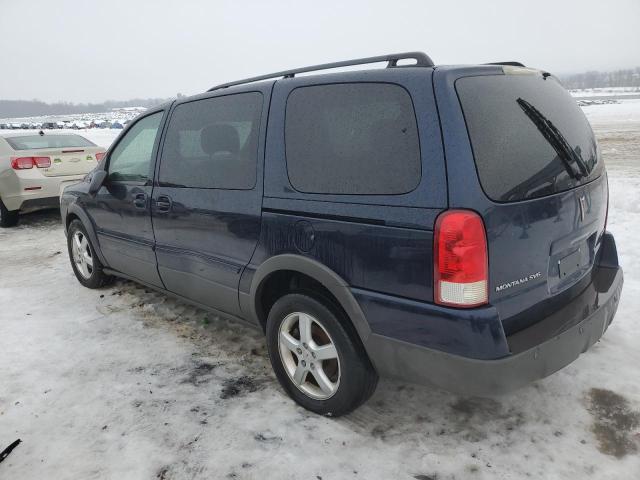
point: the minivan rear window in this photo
(33, 142)
(529, 137)
(352, 139)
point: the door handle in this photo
(163, 204)
(140, 200)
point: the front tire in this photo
(7, 218)
(317, 357)
(84, 261)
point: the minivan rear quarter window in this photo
(529, 137)
(352, 138)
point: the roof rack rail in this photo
(511, 64)
(422, 60)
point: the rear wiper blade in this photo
(556, 139)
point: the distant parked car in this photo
(117, 124)
(34, 169)
(49, 125)
(3, 126)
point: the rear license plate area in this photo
(570, 264)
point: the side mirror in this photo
(97, 180)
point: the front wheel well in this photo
(70, 218)
(283, 282)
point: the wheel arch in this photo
(330, 281)
(74, 212)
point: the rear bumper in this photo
(542, 349)
(46, 194)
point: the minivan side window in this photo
(353, 139)
(213, 143)
(131, 158)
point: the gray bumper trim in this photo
(405, 361)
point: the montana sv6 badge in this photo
(520, 281)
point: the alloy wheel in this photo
(82, 255)
(309, 355)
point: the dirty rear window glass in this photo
(529, 137)
(36, 142)
(352, 139)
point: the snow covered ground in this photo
(125, 383)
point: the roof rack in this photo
(511, 64)
(422, 60)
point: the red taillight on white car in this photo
(461, 266)
(42, 162)
(99, 156)
(25, 163)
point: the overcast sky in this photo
(85, 51)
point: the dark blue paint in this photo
(474, 333)
(523, 237)
(208, 235)
(120, 212)
(208, 244)
(204, 241)
(375, 257)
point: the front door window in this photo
(131, 158)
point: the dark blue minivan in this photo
(436, 224)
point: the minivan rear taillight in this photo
(99, 156)
(25, 163)
(461, 271)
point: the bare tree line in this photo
(595, 79)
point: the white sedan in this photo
(34, 168)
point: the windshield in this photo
(529, 137)
(37, 142)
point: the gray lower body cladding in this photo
(409, 362)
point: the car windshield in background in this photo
(36, 142)
(538, 141)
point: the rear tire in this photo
(7, 218)
(317, 357)
(84, 261)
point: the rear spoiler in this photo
(510, 64)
